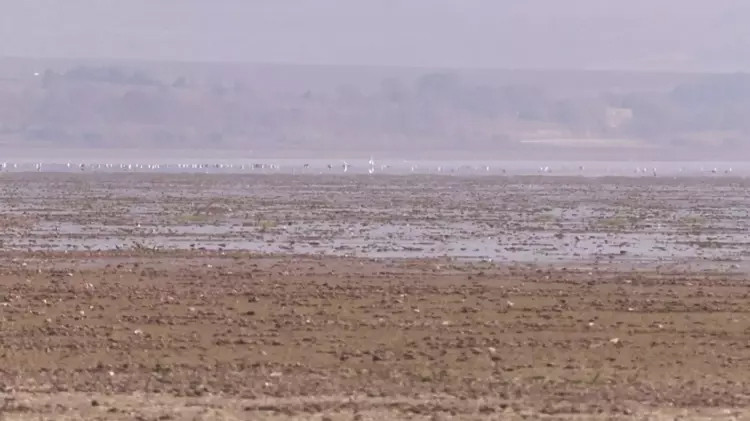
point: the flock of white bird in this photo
(343, 166)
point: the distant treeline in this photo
(123, 106)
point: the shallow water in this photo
(538, 219)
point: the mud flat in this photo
(279, 297)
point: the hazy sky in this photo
(633, 34)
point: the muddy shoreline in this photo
(281, 297)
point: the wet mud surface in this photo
(513, 219)
(212, 297)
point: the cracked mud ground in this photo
(169, 334)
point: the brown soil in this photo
(221, 336)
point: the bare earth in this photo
(145, 298)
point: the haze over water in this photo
(638, 80)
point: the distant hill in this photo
(281, 108)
